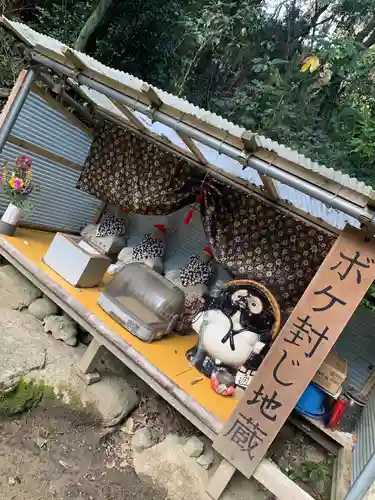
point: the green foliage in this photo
(369, 299)
(242, 59)
(314, 474)
(10, 66)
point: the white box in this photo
(75, 260)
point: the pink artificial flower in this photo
(24, 161)
(21, 160)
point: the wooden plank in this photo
(344, 439)
(220, 479)
(271, 477)
(131, 116)
(13, 93)
(153, 97)
(86, 367)
(300, 348)
(193, 148)
(44, 228)
(55, 55)
(314, 433)
(33, 148)
(270, 187)
(342, 474)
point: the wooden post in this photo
(86, 366)
(300, 348)
(13, 94)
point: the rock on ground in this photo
(168, 465)
(193, 447)
(141, 439)
(20, 348)
(113, 398)
(26, 351)
(62, 328)
(207, 458)
(16, 291)
(41, 308)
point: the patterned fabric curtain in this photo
(127, 170)
(256, 241)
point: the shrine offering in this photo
(233, 331)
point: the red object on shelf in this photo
(208, 251)
(161, 228)
(338, 411)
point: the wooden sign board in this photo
(299, 350)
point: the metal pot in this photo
(356, 402)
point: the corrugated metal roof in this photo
(314, 207)
(182, 107)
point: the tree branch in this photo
(191, 66)
(360, 37)
(4, 93)
(91, 24)
(370, 40)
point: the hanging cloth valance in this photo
(127, 170)
(259, 242)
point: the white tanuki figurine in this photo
(150, 250)
(231, 332)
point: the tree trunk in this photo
(92, 23)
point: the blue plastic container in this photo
(311, 403)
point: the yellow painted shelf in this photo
(168, 354)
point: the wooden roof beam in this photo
(129, 115)
(194, 149)
(269, 187)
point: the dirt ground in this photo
(54, 452)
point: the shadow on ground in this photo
(56, 452)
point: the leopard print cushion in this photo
(111, 226)
(148, 248)
(196, 272)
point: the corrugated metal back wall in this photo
(57, 202)
(365, 444)
(356, 344)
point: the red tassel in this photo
(189, 216)
(190, 213)
(200, 197)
